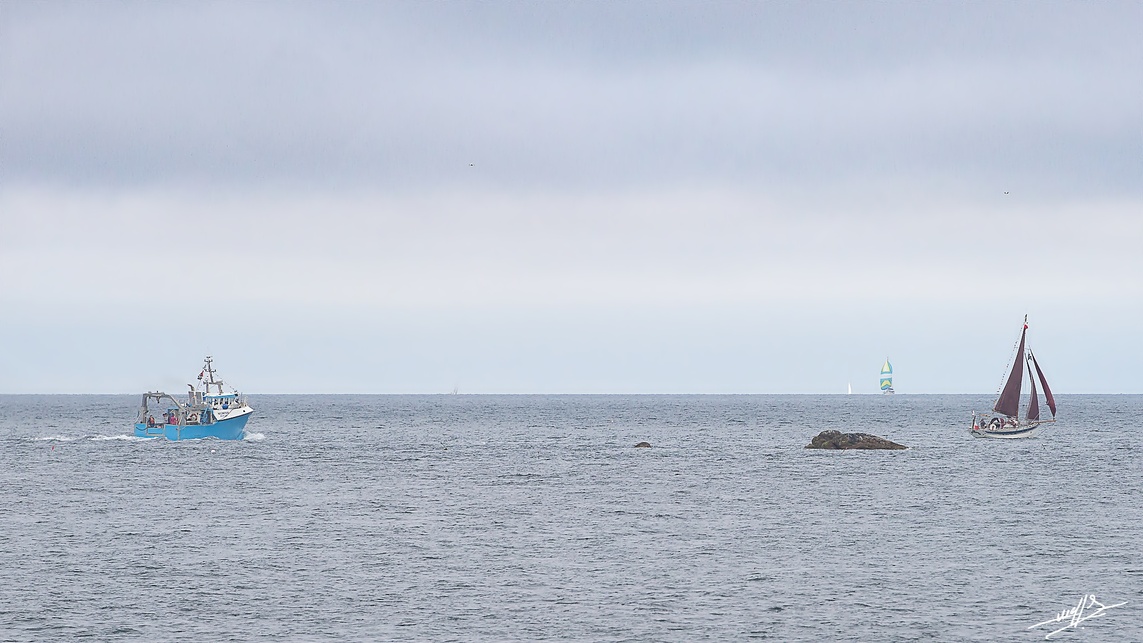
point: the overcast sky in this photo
(593, 197)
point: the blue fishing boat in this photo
(204, 414)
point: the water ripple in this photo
(498, 518)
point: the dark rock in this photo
(839, 440)
(643, 445)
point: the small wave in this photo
(118, 437)
(57, 438)
(254, 437)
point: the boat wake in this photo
(254, 437)
(93, 438)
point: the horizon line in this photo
(450, 394)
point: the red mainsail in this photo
(1009, 401)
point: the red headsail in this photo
(1044, 384)
(1034, 405)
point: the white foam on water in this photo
(94, 438)
(254, 437)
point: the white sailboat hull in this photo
(1005, 435)
(1027, 430)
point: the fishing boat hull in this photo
(231, 428)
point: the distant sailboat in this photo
(1007, 423)
(887, 378)
(849, 386)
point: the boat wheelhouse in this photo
(204, 414)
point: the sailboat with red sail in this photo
(1005, 420)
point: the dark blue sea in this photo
(529, 518)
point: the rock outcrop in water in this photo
(839, 440)
(643, 445)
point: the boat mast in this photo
(210, 376)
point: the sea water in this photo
(495, 518)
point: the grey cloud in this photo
(576, 94)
